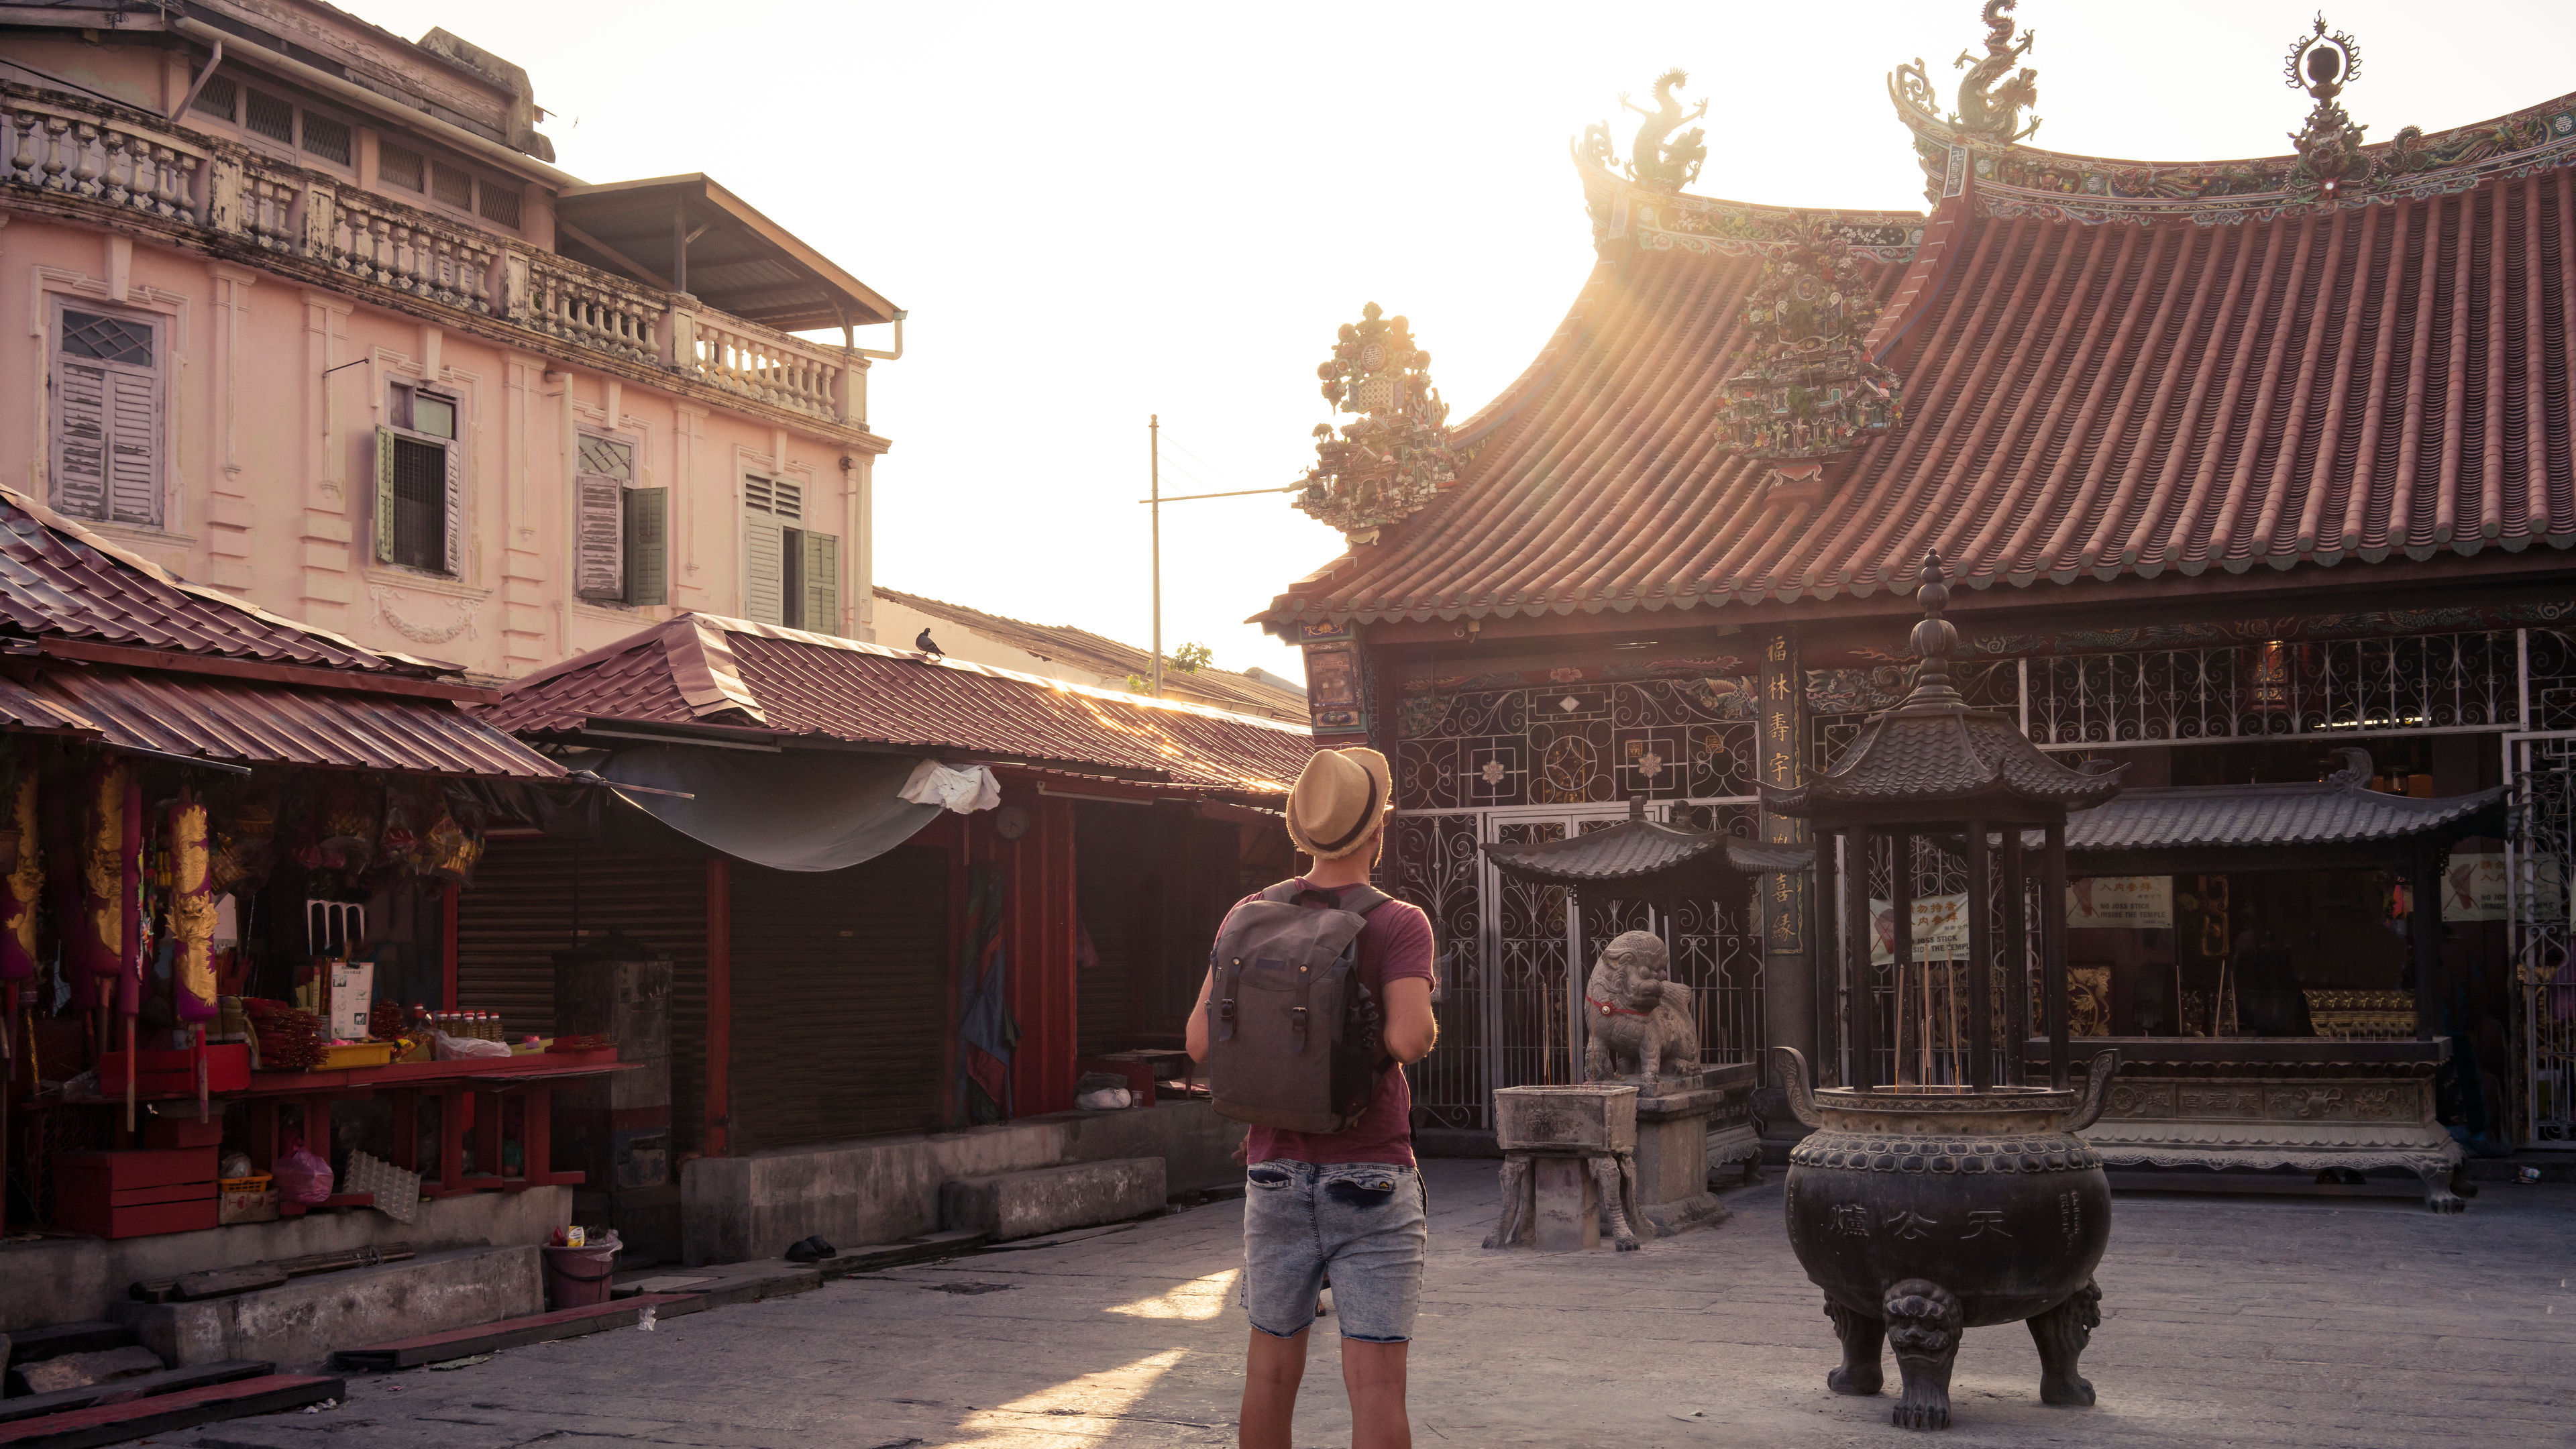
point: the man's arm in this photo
(1411, 1030)
(1195, 1037)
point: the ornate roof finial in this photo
(1657, 163)
(1807, 391)
(1934, 638)
(1991, 100)
(2329, 147)
(1385, 466)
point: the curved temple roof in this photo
(2112, 369)
(1641, 855)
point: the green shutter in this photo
(384, 495)
(761, 539)
(822, 583)
(647, 547)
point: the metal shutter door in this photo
(520, 911)
(1105, 861)
(840, 999)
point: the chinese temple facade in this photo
(2234, 466)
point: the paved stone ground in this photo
(2227, 1321)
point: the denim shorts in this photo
(1361, 1222)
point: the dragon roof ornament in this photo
(1991, 98)
(1384, 466)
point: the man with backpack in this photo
(1317, 994)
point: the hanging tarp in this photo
(808, 811)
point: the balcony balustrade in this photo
(141, 166)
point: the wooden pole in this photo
(1900, 905)
(2052, 949)
(2016, 962)
(2424, 929)
(1824, 957)
(1154, 472)
(1981, 963)
(1861, 1006)
(718, 1141)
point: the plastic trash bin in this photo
(578, 1277)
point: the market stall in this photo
(230, 850)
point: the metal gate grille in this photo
(2544, 957)
(1514, 962)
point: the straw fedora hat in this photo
(1338, 799)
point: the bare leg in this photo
(1373, 1374)
(1863, 1338)
(1271, 1371)
(1923, 1327)
(2061, 1334)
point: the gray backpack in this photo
(1293, 1033)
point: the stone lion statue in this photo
(1641, 1021)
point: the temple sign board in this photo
(2142, 902)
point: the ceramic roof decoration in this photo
(2110, 370)
(1643, 856)
(1933, 758)
(1384, 466)
(703, 675)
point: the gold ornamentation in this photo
(1990, 99)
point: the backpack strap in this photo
(1365, 899)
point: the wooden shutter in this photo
(453, 453)
(822, 583)
(648, 564)
(384, 495)
(599, 526)
(133, 446)
(762, 539)
(80, 438)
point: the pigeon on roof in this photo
(925, 643)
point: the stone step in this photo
(163, 1413)
(300, 1324)
(1010, 1205)
(34, 1345)
(404, 1353)
(140, 1386)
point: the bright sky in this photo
(1095, 213)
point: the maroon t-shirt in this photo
(1395, 943)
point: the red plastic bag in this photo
(301, 1176)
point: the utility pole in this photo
(1154, 467)
(1156, 500)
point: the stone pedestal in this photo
(1734, 1143)
(1672, 1158)
(1568, 1212)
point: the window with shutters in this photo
(420, 492)
(620, 530)
(269, 116)
(791, 575)
(107, 440)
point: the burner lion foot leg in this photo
(1863, 1338)
(1923, 1327)
(2061, 1333)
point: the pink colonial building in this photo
(310, 317)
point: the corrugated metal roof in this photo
(57, 578)
(700, 669)
(257, 723)
(2088, 396)
(1220, 687)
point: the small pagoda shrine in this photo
(1946, 1201)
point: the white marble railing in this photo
(770, 367)
(138, 164)
(134, 168)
